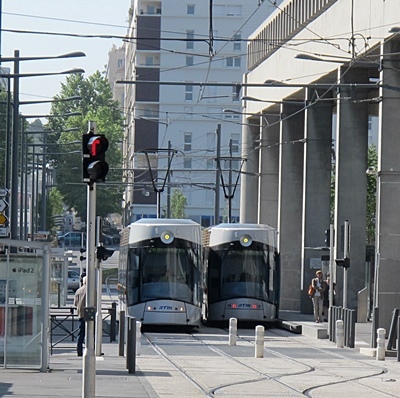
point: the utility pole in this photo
(345, 255)
(230, 183)
(169, 183)
(217, 176)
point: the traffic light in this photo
(103, 254)
(343, 262)
(82, 250)
(327, 237)
(94, 165)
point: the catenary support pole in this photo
(345, 271)
(217, 176)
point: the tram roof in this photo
(224, 233)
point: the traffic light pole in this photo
(89, 359)
(99, 318)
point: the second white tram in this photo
(160, 272)
(242, 273)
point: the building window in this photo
(211, 95)
(233, 62)
(218, 10)
(236, 92)
(237, 43)
(187, 163)
(232, 115)
(120, 63)
(187, 142)
(189, 37)
(190, 9)
(211, 141)
(235, 143)
(210, 164)
(189, 60)
(188, 92)
(188, 112)
(233, 11)
(149, 61)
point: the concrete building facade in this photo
(181, 43)
(312, 62)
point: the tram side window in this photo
(133, 278)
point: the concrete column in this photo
(317, 190)
(290, 203)
(269, 171)
(387, 276)
(351, 180)
(249, 177)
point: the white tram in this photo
(160, 272)
(242, 273)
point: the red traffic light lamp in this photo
(94, 165)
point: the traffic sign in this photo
(3, 192)
(3, 205)
(3, 219)
(3, 232)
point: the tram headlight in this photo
(245, 240)
(167, 237)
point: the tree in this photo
(96, 105)
(178, 203)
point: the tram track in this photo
(312, 373)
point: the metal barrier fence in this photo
(349, 323)
(64, 325)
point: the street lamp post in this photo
(24, 190)
(15, 128)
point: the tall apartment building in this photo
(179, 42)
(116, 71)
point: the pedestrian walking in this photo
(317, 297)
(79, 303)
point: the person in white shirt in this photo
(318, 297)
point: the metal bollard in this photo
(380, 349)
(339, 333)
(121, 336)
(232, 331)
(138, 337)
(131, 346)
(259, 348)
(113, 321)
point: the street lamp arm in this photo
(18, 75)
(75, 54)
(73, 98)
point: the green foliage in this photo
(96, 105)
(178, 203)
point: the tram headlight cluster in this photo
(167, 237)
(246, 240)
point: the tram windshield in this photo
(163, 273)
(241, 272)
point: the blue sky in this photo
(86, 17)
